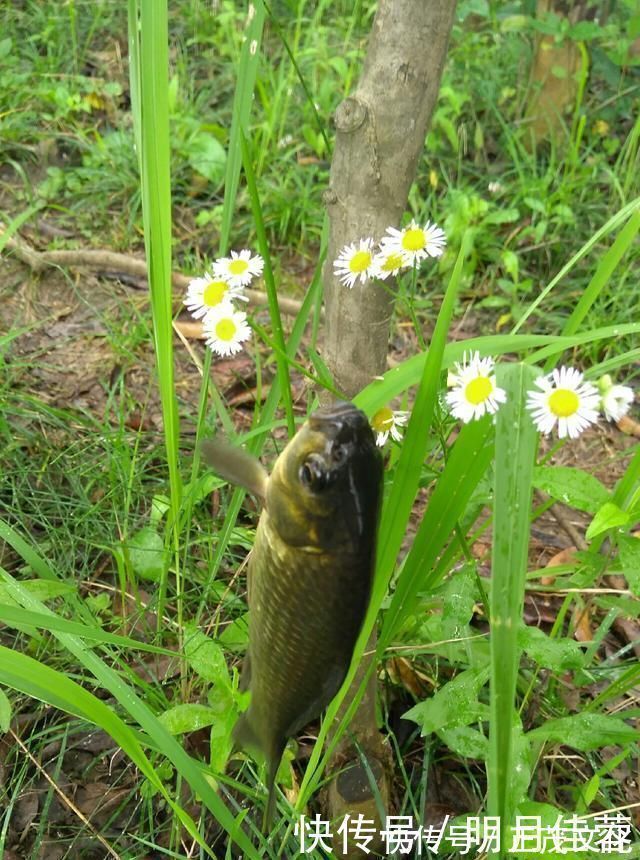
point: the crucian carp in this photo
(310, 571)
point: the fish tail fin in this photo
(271, 800)
(246, 737)
(272, 771)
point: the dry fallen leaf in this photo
(402, 672)
(629, 426)
(565, 556)
(581, 623)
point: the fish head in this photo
(325, 489)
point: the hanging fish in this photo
(310, 571)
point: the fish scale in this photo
(301, 654)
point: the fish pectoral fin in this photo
(235, 465)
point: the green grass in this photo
(113, 557)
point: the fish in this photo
(310, 572)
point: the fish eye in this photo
(313, 473)
(339, 455)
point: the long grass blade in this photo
(604, 270)
(397, 507)
(396, 381)
(191, 770)
(515, 448)
(466, 464)
(34, 679)
(150, 84)
(241, 111)
(270, 284)
(619, 218)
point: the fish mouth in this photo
(341, 422)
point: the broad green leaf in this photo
(149, 81)
(554, 654)
(41, 589)
(629, 549)
(571, 487)
(206, 657)
(160, 504)
(147, 554)
(459, 598)
(609, 516)
(520, 757)
(585, 731)
(188, 717)
(5, 713)
(523, 843)
(235, 636)
(466, 742)
(226, 714)
(456, 704)
(207, 157)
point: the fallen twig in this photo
(125, 264)
(563, 522)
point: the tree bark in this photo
(380, 133)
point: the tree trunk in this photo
(555, 78)
(380, 133)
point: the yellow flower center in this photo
(226, 329)
(214, 293)
(393, 262)
(238, 266)
(360, 262)
(413, 239)
(564, 403)
(382, 420)
(478, 390)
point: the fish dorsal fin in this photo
(236, 466)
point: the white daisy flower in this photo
(474, 389)
(388, 263)
(353, 262)
(566, 399)
(386, 423)
(414, 242)
(206, 293)
(225, 329)
(615, 400)
(240, 268)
